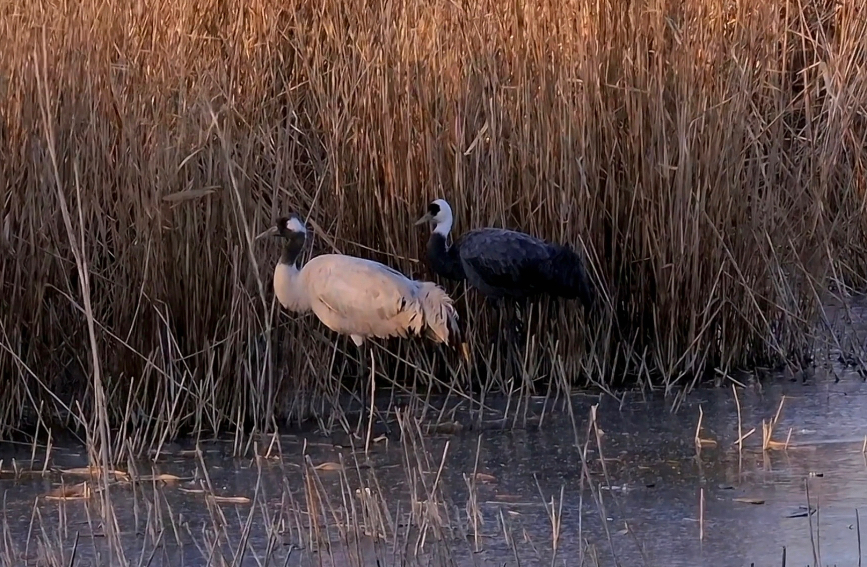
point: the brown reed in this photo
(708, 157)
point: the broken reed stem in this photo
(740, 440)
(779, 411)
(372, 400)
(556, 524)
(768, 430)
(810, 523)
(474, 506)
(699, 441)
(745, 436)
(701, 515)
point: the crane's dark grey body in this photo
(506, 266)
(503, 263)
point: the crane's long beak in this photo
(424, 219)
(270, 232)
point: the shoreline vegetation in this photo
(707, 158)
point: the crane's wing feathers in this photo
(504, 259)
(361, 286)
(362, 298)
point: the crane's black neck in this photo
(444, 260)
(292, 248)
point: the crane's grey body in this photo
(503, 263)
(359, 297)
(500, 263)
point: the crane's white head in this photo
(293, 223)
(439, 213)
(291, 226)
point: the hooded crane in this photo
(503, 263)
(358, 297)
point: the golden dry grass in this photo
(708, 156)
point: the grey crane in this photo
(502, 263)
(359, 297)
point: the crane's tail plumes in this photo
(440, 317)
(567, 277)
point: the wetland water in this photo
(416, 489)
(654, 483)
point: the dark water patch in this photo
(639, 499)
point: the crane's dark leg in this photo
(365, 375)
(363, 365)
(515, 338)
(508, 332)
(516, 325)
(493, 304)
(362, 384)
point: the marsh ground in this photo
(484, 492)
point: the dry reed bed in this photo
(708, 157)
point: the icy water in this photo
(473, 489)
(643, 507)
